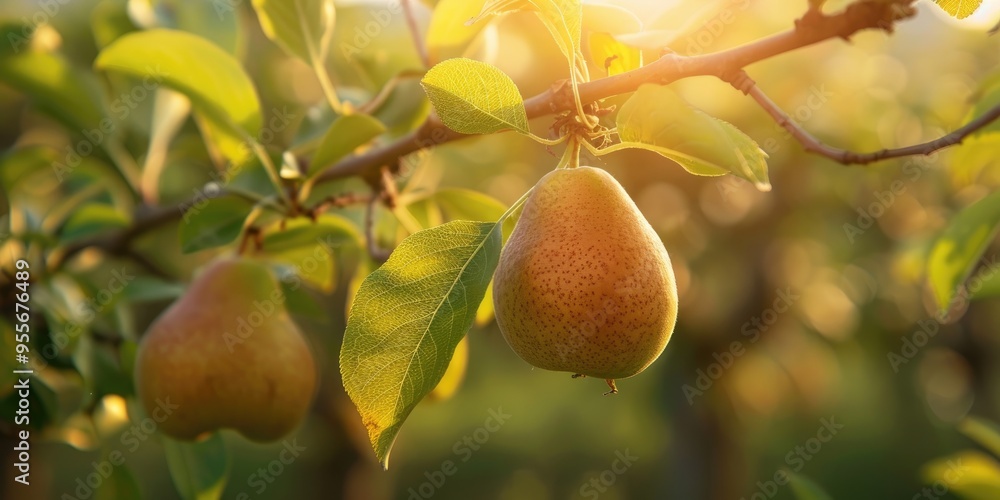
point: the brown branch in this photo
(812, 28)
(811, 144)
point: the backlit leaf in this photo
(473, 97)
(407, 319)
(345, 135)
(959, 248)
(959, 9)
(220, 90)
(657, 119)
(298, 26)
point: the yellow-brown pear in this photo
(226, 355)
(585, 285)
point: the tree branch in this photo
(812, 28)
(745, 84)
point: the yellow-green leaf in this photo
(959, 9)
(982, 431)
(473, 97)
(453, 376)
(344, 136)
(217, 21)
(308, 248)
(215, 223)
(450, 29)
(563, 19)
(92, 219)
(969, 474)
(613, 56)
(657, 119)
(959, 248)
(57, 88)
(301, 27)
(217, 85)
(407, 319)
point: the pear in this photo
(226, 355)
(584, 285)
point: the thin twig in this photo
(811, 144)
(418, 41)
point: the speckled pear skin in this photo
(227, 355)
(585, 285)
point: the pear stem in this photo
(611, 384)
(571, 157)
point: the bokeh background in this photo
(846, 300)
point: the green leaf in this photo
(968, 474)
(150, 289)
(20, 164)
(982, 431)
(219, 89)
(300, 302)
(298, 26)
(92, 219)
(657, 119)
(121, 485)
(564, 20)
(407, 319)
(199, 469)
(16, 36)
(989, 285)
(472, 97)
(959, 9)
(101, 371)
(309, 247)
(343, 137)
(217, 222)
(215, 21)
(465, 204)
(976, 154)
(329, 230)
(805, 489)
(108, 21)
(57, 88)
(448, 31)
(960, 247)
